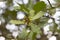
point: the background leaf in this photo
(39, 6)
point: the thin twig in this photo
(49, 3)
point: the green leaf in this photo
(43, 21)
(34, 31)
(9, 2)
(16, 7)
(31, 13)
(32, 36)
(52, 11)
(58, 30)
(55, 27)
(23, 8)
(23, 34)
(30, 4)
(39, 6)
(16, 22)
(57, 1)
(35, 28)
(38, 15)
(8, 15)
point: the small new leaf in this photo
(16, 22)
(38, 15)
(23, 8)
(31, 13)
